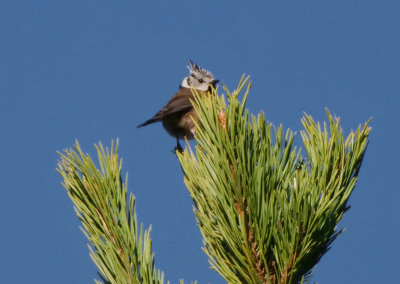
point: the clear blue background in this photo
(93, 70)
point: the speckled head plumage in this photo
(199, 78)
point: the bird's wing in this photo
(179, 102)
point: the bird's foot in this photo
(178, 148)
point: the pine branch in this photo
(267, 215)
(121, 250)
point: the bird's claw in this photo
(178, 148)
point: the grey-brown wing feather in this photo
(179, 102)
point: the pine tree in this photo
(267, 214)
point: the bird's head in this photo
(199, 78)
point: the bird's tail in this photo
(150, 121)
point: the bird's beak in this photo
(214, 82)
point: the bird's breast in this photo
(181, 125)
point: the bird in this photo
(178, 114)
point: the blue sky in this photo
(93, 70)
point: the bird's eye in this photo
(201, 81)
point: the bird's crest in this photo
(195, 69)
